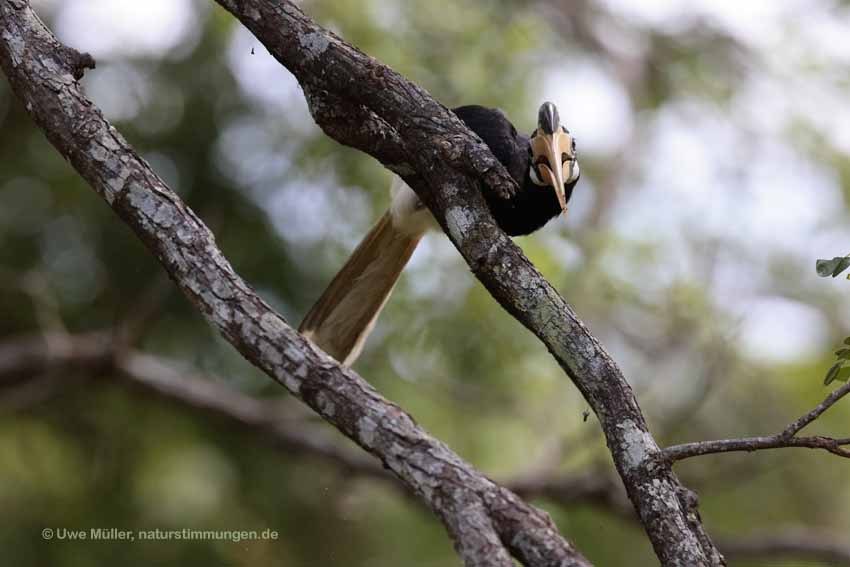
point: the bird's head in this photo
(553, 154)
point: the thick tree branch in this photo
(24, 356)
(360, 102)
(786, 438)
(20, 356)
(364, 104)
(484, 520)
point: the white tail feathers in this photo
(409, 215)
(346, 312)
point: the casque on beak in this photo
(553, 151)
(548, 151)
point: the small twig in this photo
(208, 394)
(750, 444)
(806, 419)
(786, 438)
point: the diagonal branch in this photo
(362, 103)
(486, 521)
(24, 356)
(817, 411)
(20, 356)
(786, 438)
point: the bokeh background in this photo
(714, 139)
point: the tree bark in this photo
(55, 353)
(487, 522)
(364, 104)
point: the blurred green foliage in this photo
(838, 371)
(229, 131)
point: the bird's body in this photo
(346, 312)
(530, 208)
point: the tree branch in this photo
(786, 438)
(22, 356)
(485, 520)
(818, 410)
(96, 351)
(99, 351)
(362, 103)
(750, 444)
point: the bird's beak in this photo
(552, 147)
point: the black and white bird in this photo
(544, 166)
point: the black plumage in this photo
(545, 169)
(532, 206)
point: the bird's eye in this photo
(535, 176)
(571, 171)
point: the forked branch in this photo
(487, 522)
(786, 438)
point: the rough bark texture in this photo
(486, 522)
(362, 103)
(56, 353)
(100, 353)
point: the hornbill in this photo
(544, 166)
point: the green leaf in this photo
(843, 353)
(847, 341)
(843, 374)
(827, 268)
(832, 373)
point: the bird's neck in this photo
(409, 215)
